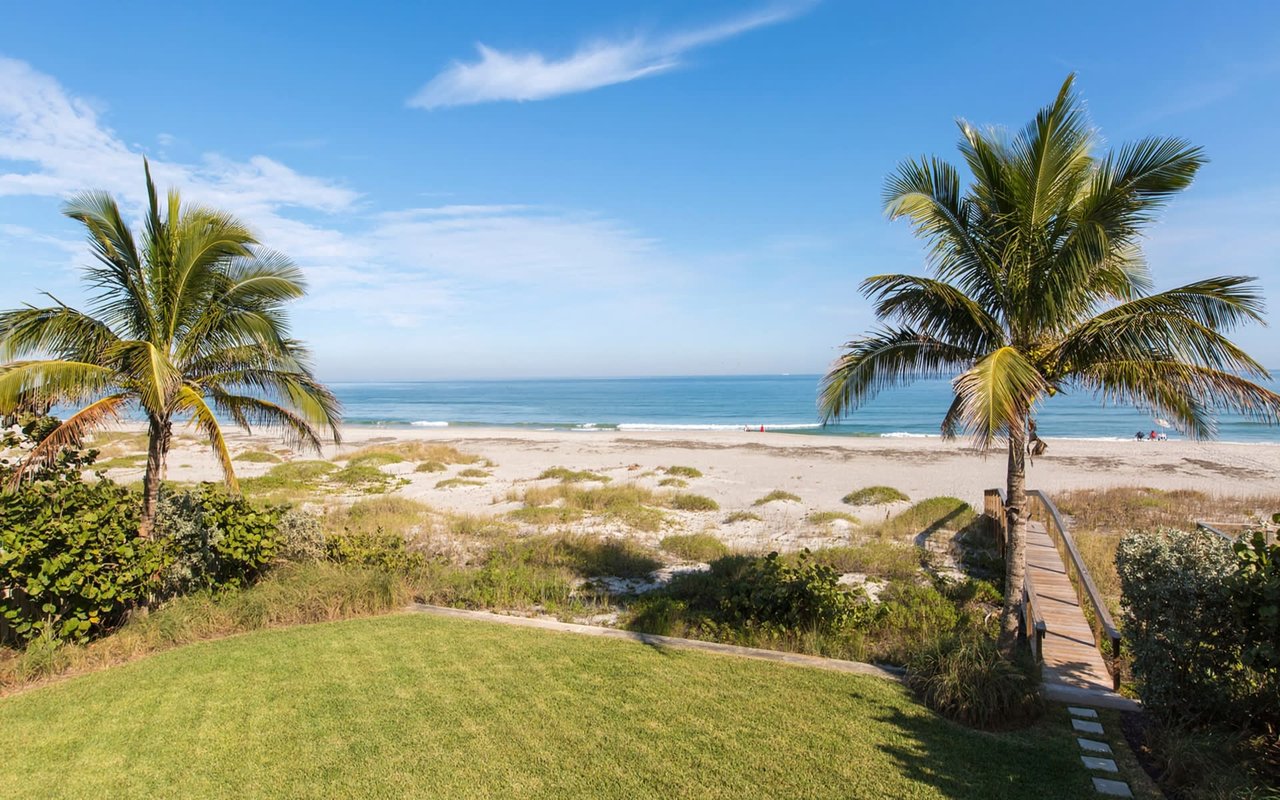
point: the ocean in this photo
(785, 403)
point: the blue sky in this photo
(589, 189)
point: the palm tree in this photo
(187, 322)
(1038, 287)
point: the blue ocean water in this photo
(778, 402)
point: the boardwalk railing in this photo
(1086, 591)
(1032, 620)
(1269, 536)
(1033, 623)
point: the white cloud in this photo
(499, 75)
(397, 268)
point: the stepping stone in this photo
(1099, 764)
(1086, 727)
(1091, 746)
(1083, 713)
(1111, 788)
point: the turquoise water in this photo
(778, 402)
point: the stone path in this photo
(1096, 755)
(1074, 670)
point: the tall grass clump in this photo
(876, 559)
(683, 472)
(965, 678)
(777, 495)
(390, 514)
(694, 546)
(626, 503)
(256, 457)
(825, 517)
(874, 496)
(691, 502)
(927, 517)
(566, 475)
(412, 451)
(741, 516)
(583, 554)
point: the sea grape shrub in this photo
(379, 549)
(1183, 627)
(218, 540)
(71, 561)
(300, 537)
(1257, 608)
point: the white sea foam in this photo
(906, 435)
(422, 423)
(665, 426)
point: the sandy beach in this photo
(739, 467)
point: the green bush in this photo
(217, 539)
(965, 678)
(1181, 626)
(910, 616)
(378, 549)
(683, 472)
(769, 590)
(71, 561)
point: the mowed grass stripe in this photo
(422, 706)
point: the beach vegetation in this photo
(630, 504)
(701, 547)
(875, 559)
(827, 517)
(473, 472)
(414, 450)
(477, 526)
(364, 478)
(122, 462)
(405, 687)
(215, 539)
(188, 322)
(450, 483)
(375, 457)
(690, 502)
(431, 466)
(674, 483)
(1039, 287)
(926, 518)
(566, 475)
(683, 472)
(389, 513)
(584, 555)
(776, 496)
(741, 516)
(254, 457)
(874, 496)
(546, 515)
(965, 678)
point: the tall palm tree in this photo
(1038, 287)
(187, 322)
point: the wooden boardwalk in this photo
(1074, 670)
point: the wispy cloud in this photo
(498, 75)
(390, 267)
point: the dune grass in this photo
(122, 462)
(741, 516)
(675, 483)
(394, 453)
(546, 515)
(927, 517)
(690, 502)
(566, 475)
(257, 457)
(826, 517)
(474, 472)
(694, 546)
(628, 503)
(775, 496)
(876, 559)
(430, 466)
(584, 555)
(683, 472)
(390, 514)
(412, 705)
(874, 496)
(450, 483)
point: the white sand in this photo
(740, 466)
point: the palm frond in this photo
(189, 400)
(935, 308)
(996, 394)
(886, 358)
(58, 331)
(70, 433)
(53, 382)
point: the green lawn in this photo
(418, 706)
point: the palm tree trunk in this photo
(1016, 544)
(159, 432)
